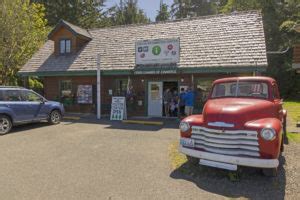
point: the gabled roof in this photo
(71, 27)
(217, 41)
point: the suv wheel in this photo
(54, 117)
(5, 124)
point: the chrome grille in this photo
(227, 142)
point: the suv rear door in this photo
(12, 99)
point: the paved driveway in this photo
(78, 160)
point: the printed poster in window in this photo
(85, 94)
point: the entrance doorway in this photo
(170, 108)
(156, 104)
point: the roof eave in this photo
(62, 23)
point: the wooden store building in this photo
(141, 61)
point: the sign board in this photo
(85, 94)
(167, 71)
(118, 108)
(160, 51)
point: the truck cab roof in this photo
(246, 78)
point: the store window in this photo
(121, 87)
(66, 89)
(203, 88)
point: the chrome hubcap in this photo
(55, 117)
(4, 125)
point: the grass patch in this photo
(295, 137)
(293, 109)
(177, 158)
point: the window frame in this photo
(118, 89)
(24, 96)
(237, 94)
(20, 95)
(61, 87)
(65, 46)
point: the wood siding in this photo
(63, 33)
(139, 83)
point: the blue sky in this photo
(150, 7)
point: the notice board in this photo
(85, 94)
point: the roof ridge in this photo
(179, 20)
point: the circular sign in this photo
(156, 50)
(170, 46)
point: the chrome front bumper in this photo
(242, 161)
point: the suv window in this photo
(31, 96)
(12, 95)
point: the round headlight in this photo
(268, 133)
(184, 126)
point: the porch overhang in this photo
(149, 70)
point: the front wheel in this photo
(54, 117)
(270, 172)
(5, 124)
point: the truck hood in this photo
(235, 112)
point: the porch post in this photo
(98, 88)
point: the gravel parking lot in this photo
(110, 160)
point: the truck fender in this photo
(266, 123)
(270, 148)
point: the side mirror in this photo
(42, 100)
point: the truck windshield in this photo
(240, 89)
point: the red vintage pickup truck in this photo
(241, 124)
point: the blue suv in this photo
(19, 106)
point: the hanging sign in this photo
(85, 94)
(118, 108)
(160, 51)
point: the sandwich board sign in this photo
(118, 108)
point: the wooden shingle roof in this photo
(233, 40)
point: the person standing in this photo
(167, 101)
(189, 99)
(181, 102)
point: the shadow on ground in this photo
(25, 127)
(246, 183)
(167, 123)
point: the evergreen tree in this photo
(193, 8)
(163, 13)
(127, 12)
(84, 13)
(279, 19)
